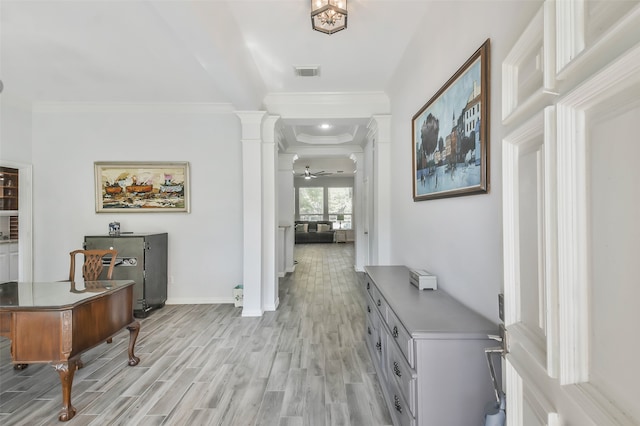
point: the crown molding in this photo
(327, 104)
(132, 107)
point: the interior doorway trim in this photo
(25, 221)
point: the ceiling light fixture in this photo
(329, 16)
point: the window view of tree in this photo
(340, 207)
(311, 203)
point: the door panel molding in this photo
(570, 157)
(539, 339)
(614, 87)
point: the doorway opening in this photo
(16, 216)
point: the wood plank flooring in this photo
(304, 364)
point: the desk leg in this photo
(66, 370)
(134, 329)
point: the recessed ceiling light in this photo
(325, 126)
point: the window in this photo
(321, 203)
(311, 203)
(340, 211)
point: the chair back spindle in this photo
(92, 266)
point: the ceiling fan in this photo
(308, 175)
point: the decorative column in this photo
(380, 125)
(286, 206)
(251, 122)
(282, 233)
(270, 299)
(359, 213)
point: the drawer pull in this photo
(379, 346)
(379, 302)
(394, 332)
(396, 369)
(368, 308)
(396, 403)
(369, 330)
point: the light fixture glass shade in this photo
(329, 16)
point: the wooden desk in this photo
(55, 322)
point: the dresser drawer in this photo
(372, 336)
(399, 371)
(398, 406)
(380, 304)
(401, 336)
(376, 297)
(371, 311)
(369, 286)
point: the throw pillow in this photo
(323, 227)
(302, 227)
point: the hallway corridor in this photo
(304, 364)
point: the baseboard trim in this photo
(199, 301)
(252, 313)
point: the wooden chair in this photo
(92, 266)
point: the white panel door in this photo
(571, 211)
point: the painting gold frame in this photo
(137, 187)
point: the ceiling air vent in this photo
(307, 71)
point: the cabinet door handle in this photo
(368, 286)
(396, 369)
(368, 308)
(396, 403)
(394, 332)
(379, 302)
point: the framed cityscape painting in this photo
(142, 187)
(451, 134)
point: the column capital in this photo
(380, 125)
(286, 160)
(269, 128)
(251, 122)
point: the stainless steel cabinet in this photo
(141, 258)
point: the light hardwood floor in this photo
(304, 364)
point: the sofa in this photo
(313, 232)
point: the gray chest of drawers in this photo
(428, 350)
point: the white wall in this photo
(458, 239)
(15, 131)
(205, 246)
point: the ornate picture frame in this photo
(450, 134)
(139, 187)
